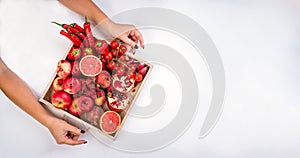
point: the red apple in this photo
(103, 79)
(75, 69)
(100, 97)
(74, 54)
(57, 84)
(61, 99)
(71, 85)
(85, 104)
(63, 68)
(73, 108)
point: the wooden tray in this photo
(80, 123)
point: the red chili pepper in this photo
(74, 31)
(83, 38)
(88, 33)
(80, 35)
(85, 41)
(79, 28)
(69, 28)
(75, 40)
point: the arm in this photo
(121, 31)
(17, 91)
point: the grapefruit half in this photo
(110, 122)
(90, 65)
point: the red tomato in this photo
(131, 75)
(111, 65)
(114, 52)
(108, 56)
(138, 77)
(114, 44)
(122, 49)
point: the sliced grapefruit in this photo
(90, 65)
(110, 122)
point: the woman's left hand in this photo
(125, 32)
(65, 133)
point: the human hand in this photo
(65, 133)
(125, 32)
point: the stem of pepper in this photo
(62, 25)
(85, 19)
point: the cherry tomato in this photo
(138, 77)
(108, 56)
(111, 65)
(131, 75)
(114, 44)
(114, 52)
(122, 49)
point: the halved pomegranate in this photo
(122, 84)
(118, 101)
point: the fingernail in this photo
(136, 47)
(85, 142)
(82, 131)
(143, 46)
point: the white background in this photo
(257, 40)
